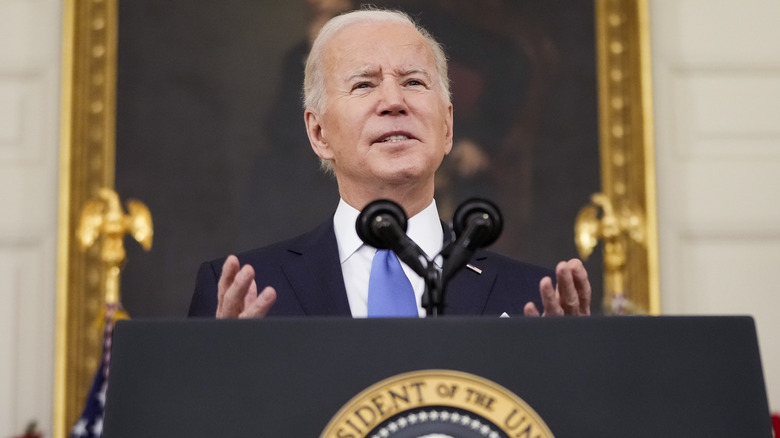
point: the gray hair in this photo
(314, 79)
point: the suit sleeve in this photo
(204, 300)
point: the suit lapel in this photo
(314, 272)
(468, 290)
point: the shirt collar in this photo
(424, 229)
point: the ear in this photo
(448, 126)
(317, 135)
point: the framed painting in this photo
(210, 131)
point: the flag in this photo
(90, 424)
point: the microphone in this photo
(382, 224)
(477, 223)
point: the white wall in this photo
(30, 36)
(716, 68)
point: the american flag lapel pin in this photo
(474, 268)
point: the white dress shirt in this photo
(355, 256)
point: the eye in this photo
(361, 85)
(413, 82)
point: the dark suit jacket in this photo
(306, 273)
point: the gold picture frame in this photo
(88, 164)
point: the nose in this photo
(392, 100)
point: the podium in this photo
(578, 377)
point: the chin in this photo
(406, 169)
(404, 175)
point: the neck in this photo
(413, 199)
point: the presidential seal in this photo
(436, 404)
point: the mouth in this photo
(394, 137)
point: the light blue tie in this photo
(390, 293)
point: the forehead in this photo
(383, 45)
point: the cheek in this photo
(345, 126)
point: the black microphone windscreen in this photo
(375, 215)
(488, 216)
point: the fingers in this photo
(571, 296)
(582, 285)
(573, 287)
(551, 299)
(250, 296)
(229, 270)
(530, 309)
(259, 305)
(236, 289)
(570, 302)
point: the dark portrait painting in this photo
(210, 131)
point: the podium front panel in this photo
(585, 377)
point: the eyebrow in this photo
(373, 72)
(413, 71)
(363, 73)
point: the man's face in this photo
(386, 120)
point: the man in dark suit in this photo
(378, 113)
